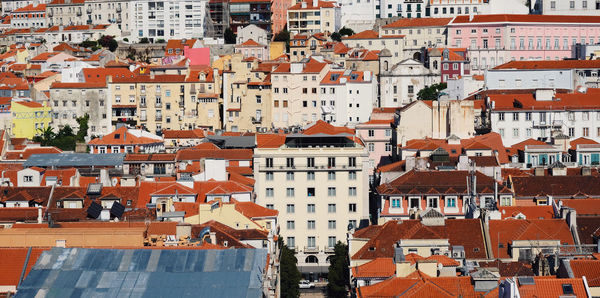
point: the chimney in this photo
(213, 237)
(39, 218)
(410, 163)
(586, 171)
(539, 171)
(183, 231)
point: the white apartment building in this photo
(569, 7)
(400, 83)
(418, 33)
(314, 16)
(447, 8)
(295, 92)
(30, 16)
(10, 5)
(92, 12)
(166, 20)
(359, 15)
(544, 114)
(318, 180)
(348, 97)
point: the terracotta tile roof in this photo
(62, 175)
(560, 187)
(309, 5)
(550, 64)
(207, 145)
(223, 233)
(550, 286)
(179, 44)
(527, 102)
(30, 8)
(586, 207)
(19, 214)
(514, 18)
(335, 77)
(367, 34)
(13, 261)
(174, 188)
(252, 210)
(237, 177)
(377, 268)
(250, 43)
(184, 134)
(530, 212)
(420, 285)
(509, 269)
(581, 141)
(465, 232)
(588, 268)
(398, 166)
(150, 157)
(99, 74)
(507, 231)
(270, 140)
(323, 127)
(125, 136)
(29, 104)
(27, 152)
(418, 22)
(190, 209)
(422, 182)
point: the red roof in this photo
(507, 231)
(325, 128)
(550, 286)
(184, 134)
(252, 210)
(26, 153)
(31, 8)
(516, 18)
(309, 5)
(270, 140)
(550, 64)
(581, 141)
(379, 268)
(250, 43)
(588, 268)
(13, 261)
(174, 188)
(123, 136)
(530, 212)
(418, 22)
(420, 285)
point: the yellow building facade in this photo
(28, 118)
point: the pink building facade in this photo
(377, 136)
(496, 39)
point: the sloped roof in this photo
(418, 22)
(209, 272)
(588, 268)
(253, 210)
(517, 18)
(126, 136)
(13, 261)
(377, 268)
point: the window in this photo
(352, 175)
(432, 202)
(290, 162)
(310, 192)
(331, 191)
(352, 207)
(388, 147)
(371, 133)
(331, 162)
(331, 224)
(515, 132)
(396, 202)
(411, 89)
(528, 132)
(310, 162)
(528, 116)
(585, 116)
(371, 147)
(330, 175)
(289, 176)
(269, 162)
(28, 178)
(289, 192)
(310, 208)
(291, 242)
(270, 192)
(269, 176)
(501, 116)
(505, 201)
(331, 208)
(290, 208)
(515, 116)
(291, 225)
(311, 225)
(311, 242)
(450, 202)
(310, 175)
(586, 131)
(352, 191)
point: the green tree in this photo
(126, 39)
(283, 35)
(160, 41)
(288, 270)
(229, 36)
(88, 43)
(144, 40)
(83, 128)
(346, 31)
(336, 36)
(109, 42)
(45, 136)
(338, 275)
(431, 92)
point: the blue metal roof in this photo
(74, 160)
(85, 272)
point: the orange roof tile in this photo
(13, 261)
(252, 210)
(379, 267)
(418, 22)
(515, 18)
(309, 5)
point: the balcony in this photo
(158, 104)
(89, 10)
(158, 118)
(329, 249)
(118, 10)
(257, 120)
(79, 13)
(311, 249)
(181, 104)
(548, 124)
(142, 104)
(143, 118)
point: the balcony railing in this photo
(158, 104)
(307, 168)
(158, 118)
(311, 249)
(142, 104)
(329, 249)
(553, 124)
(181, 104)
(256, 120)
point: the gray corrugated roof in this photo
(84, 272)
(74, 160)
(235, 141)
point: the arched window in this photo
(385, 66)
(311, 259)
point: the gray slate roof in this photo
(74, 160)
(84, 272)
